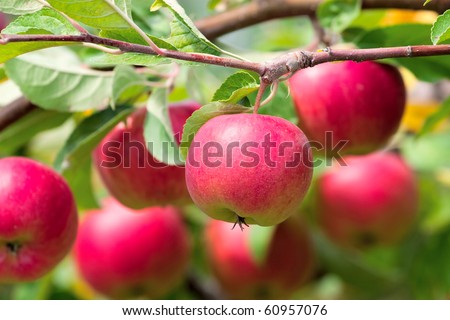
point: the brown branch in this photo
(260, 11)
(14, 111)
(135, 48)
(269, 71)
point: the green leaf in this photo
(127, 85)
(201, 116)
(440, 32)
(426, 265)
(350, 268)
(434, 119)
(45, 21)
(20, 132)
(185, 36)
(427, 2)
(15, 49)
(338, 14)
(158, 131)
(73, 161)
(19, 7)
(236, 87)
(259, 240)
(61, 82)
(100, 14)
(3, 76)
(429, 153)
(425, 68)
(212, 4)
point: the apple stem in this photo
(240, 221)
(262, 88)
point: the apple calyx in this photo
(240, 221)
(13, 247)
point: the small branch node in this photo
(409, 51)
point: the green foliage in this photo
(19, 7)
(100, 14)
(237, 87)
(438, 116)
(351, 267)
(158, 130)
(127, 85)
(185, 36)
(20, 132)
(60, 83)
(425, 68)
(74, 159)
(428, 153)
(259, 241)
(440, 33)
(44, 21)
(201, 116)
(338, 14)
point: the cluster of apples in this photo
(137, 244)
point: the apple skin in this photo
(145, 182)
(125, 253)
(361, 103)
(260, 193)
(371, 201)
(290, 260)
(38, 219)
(3, 21)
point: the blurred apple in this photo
(289, 262)
(3, 21)
(371, 200)
(124, 253)
(130, 172)
(358, 103)
(38, 219)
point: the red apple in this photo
(3, 21)
(38, 219)
(130, 172)
(249, 168)
(371, 200)
(361, 103)
(124, 253)
(288, 265)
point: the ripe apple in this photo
(288, 265)
(361, 103)
(38, 219)
(125, 253)
(249, 168)
(130, 172)
(371, 200)
(3, 21)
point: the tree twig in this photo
(259, 11)
(269, 71)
